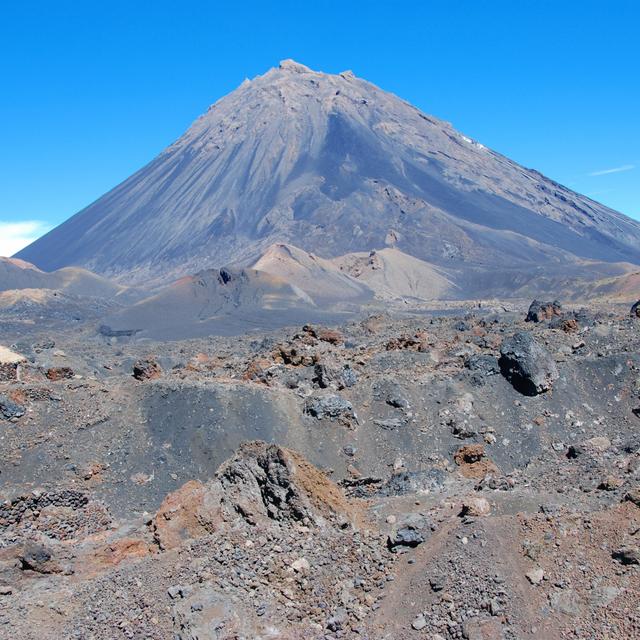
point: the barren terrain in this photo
(460, 474)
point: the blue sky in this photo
(90, 92)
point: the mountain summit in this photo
(331, 164)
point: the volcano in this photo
(333, 165)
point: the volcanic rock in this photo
(261, 483)
(527, 365)
(539, 311)
(407, 536)
(9, 362)
(328, 406)
(39, 559)
(627, 555)
(147, 369)
(10, 409)
(59, 373)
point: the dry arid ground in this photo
(457, 474)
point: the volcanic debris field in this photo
(470, 475)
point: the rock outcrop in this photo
(259, 485)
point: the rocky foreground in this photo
(470, 475)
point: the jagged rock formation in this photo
(260, 483)
(333, 165)
(455, 505)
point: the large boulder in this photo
(527, 364)
(635, 310)
(539, 311)
(39, 559)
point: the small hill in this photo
(320, 278)
(217, 302)
(16, 274)
(392, 274)
(52, 306)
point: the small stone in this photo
(301, 565)
(349, 450)
(539, 311)
(610, 483)
(338, 620)
(627, 555)
(419, 623)
(146, 369)
(437, 582)
(328, 406)
(476, 507)
(9, 409)
(59, 373)
(633, 495)
(599, 443)
(535, 576)
(176, 591)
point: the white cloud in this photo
(605, 172)
(17, 235)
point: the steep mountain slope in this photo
(333, 165)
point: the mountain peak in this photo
(293, 66)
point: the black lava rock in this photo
(527, 364)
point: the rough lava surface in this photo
(386, 478)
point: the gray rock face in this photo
(331, 164)
(527, 365)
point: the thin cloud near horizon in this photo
(604, 172)
(17, 235)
